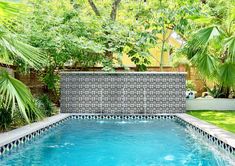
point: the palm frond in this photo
(8, 10)
(17, 49)
(202, 20)
(206, 64)
(14, 93)
(230, 44)
(189, 51)
(227, 74)
(203, 37)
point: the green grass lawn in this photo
(223, 119)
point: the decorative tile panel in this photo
(122, 93)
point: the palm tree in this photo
(13, 93)
(212, 51)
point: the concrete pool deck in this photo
(9, 139)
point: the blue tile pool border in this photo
(26, 138)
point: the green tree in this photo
(101, 31)
(164, 17)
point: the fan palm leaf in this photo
(203, 37)
(10, 46)
(206, 64)
(8, 10)
(227, 74)
(17, 49)
(15, 94)
(230, 44)
(196, 51)
(199, 42)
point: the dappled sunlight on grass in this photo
(223, 119)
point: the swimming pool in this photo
(117, 142)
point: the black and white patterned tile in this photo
(122, 93)
(129, 117)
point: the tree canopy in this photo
(86, 33)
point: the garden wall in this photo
(122, 92)
(210, 104)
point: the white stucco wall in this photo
(210, 104)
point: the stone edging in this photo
(216, 135)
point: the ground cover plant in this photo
(222, 119)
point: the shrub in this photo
(5, 118)
(45, 105)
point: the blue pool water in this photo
(116, 142)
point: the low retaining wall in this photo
(210, 104)
(122, 92)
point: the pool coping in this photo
(218, 136)
(121, 72)
(223, 135)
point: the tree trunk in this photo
(163, 41)
(113, 14)
(94, 8)
(114, 9)
(162, 55)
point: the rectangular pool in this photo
(117, 142)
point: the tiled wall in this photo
(122, 93)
